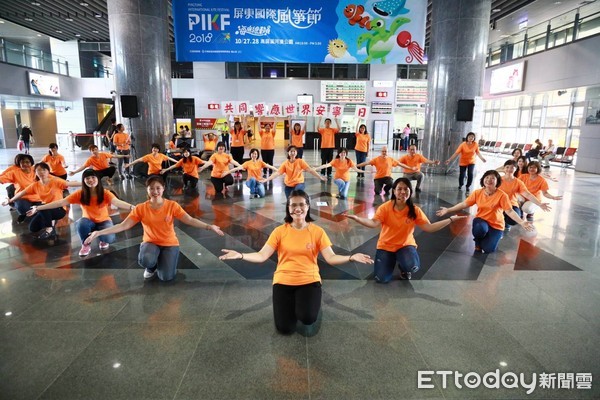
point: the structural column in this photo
(139, 43)
(456, 62)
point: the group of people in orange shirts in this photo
(501, 202)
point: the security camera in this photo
(113, 92)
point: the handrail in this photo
(504, 50)
(31, 57)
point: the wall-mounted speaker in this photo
(465, 110)
(129, 106)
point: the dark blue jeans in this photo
(508, 220)
(85, 226)
(361, 157)
(407, 259)
(486, 237)
(163, 259)
(461, 176)
(290, 189)
(43, 219)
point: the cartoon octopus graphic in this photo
(377, 40)
(404, 40)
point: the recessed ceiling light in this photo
(33, 3)
(28, 19)
(98, 15)
(84, 4)
(69, 19)
(95, 32)
(39, 35)
(58, 31)
(558, 2)
(77, 35)
(496, 10)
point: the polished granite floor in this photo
(91, 328)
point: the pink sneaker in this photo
(86, 249)
(104, 245)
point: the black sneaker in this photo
(21, 218)
(405, 276)
(529, 217)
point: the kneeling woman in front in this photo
(159, 251)
(492, 203)
(296, 283)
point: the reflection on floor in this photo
(92, 328)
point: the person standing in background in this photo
(27, 138)
(122, 142)
(405, 137)
(362, 146)
(297, 138)
(267, 144)
(467, 151)
(225, 137)
(110, 133)
(327, 143)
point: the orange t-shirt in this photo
(363, 141)
(220, 164)
(21, 180)
(297, 139)
(293, 171)
(383, 166)
(396, 228)
(49, 192)
(237, 140)
(342, 168)
(297, 252)
(328, 137)
(190, 168)
(122, 141)
(490, 208)
(254, 168)
(467, 153)
(158, 224)
(94, 211)
(412, 161)
(512, 189)
(154, 163)
(267, 140)
(537, 186)
(55, 163)
(210, 145)
(98, 163)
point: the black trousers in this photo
(238, 154)
(190, 180)
(295, 303)
(300, 153)
(326, 157)
(384, 183)
(267, 156)
(43, 219)
(108, 172)
(218, 183)
(63, 177)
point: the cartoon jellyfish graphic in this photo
(404, 40)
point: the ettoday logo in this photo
(209, 22)
(472, 380)
(507, 380)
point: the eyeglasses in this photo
(298, 205)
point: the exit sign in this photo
(214, 106)
(381, 94)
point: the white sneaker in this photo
(149, 274)
(104, 245)
(86, 249)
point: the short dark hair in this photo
(471, 134)
(254, 151)
(514, 164)
(21, 157)
(297, 193)
(155, 146)
(92, 147)
(221, 144)
(155, 179)
(492, 172)
(535, 164)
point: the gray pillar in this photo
(456, 61)
(139, 43)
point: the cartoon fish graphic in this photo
(390, 8)
(354, 13)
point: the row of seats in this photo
(564, 155)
